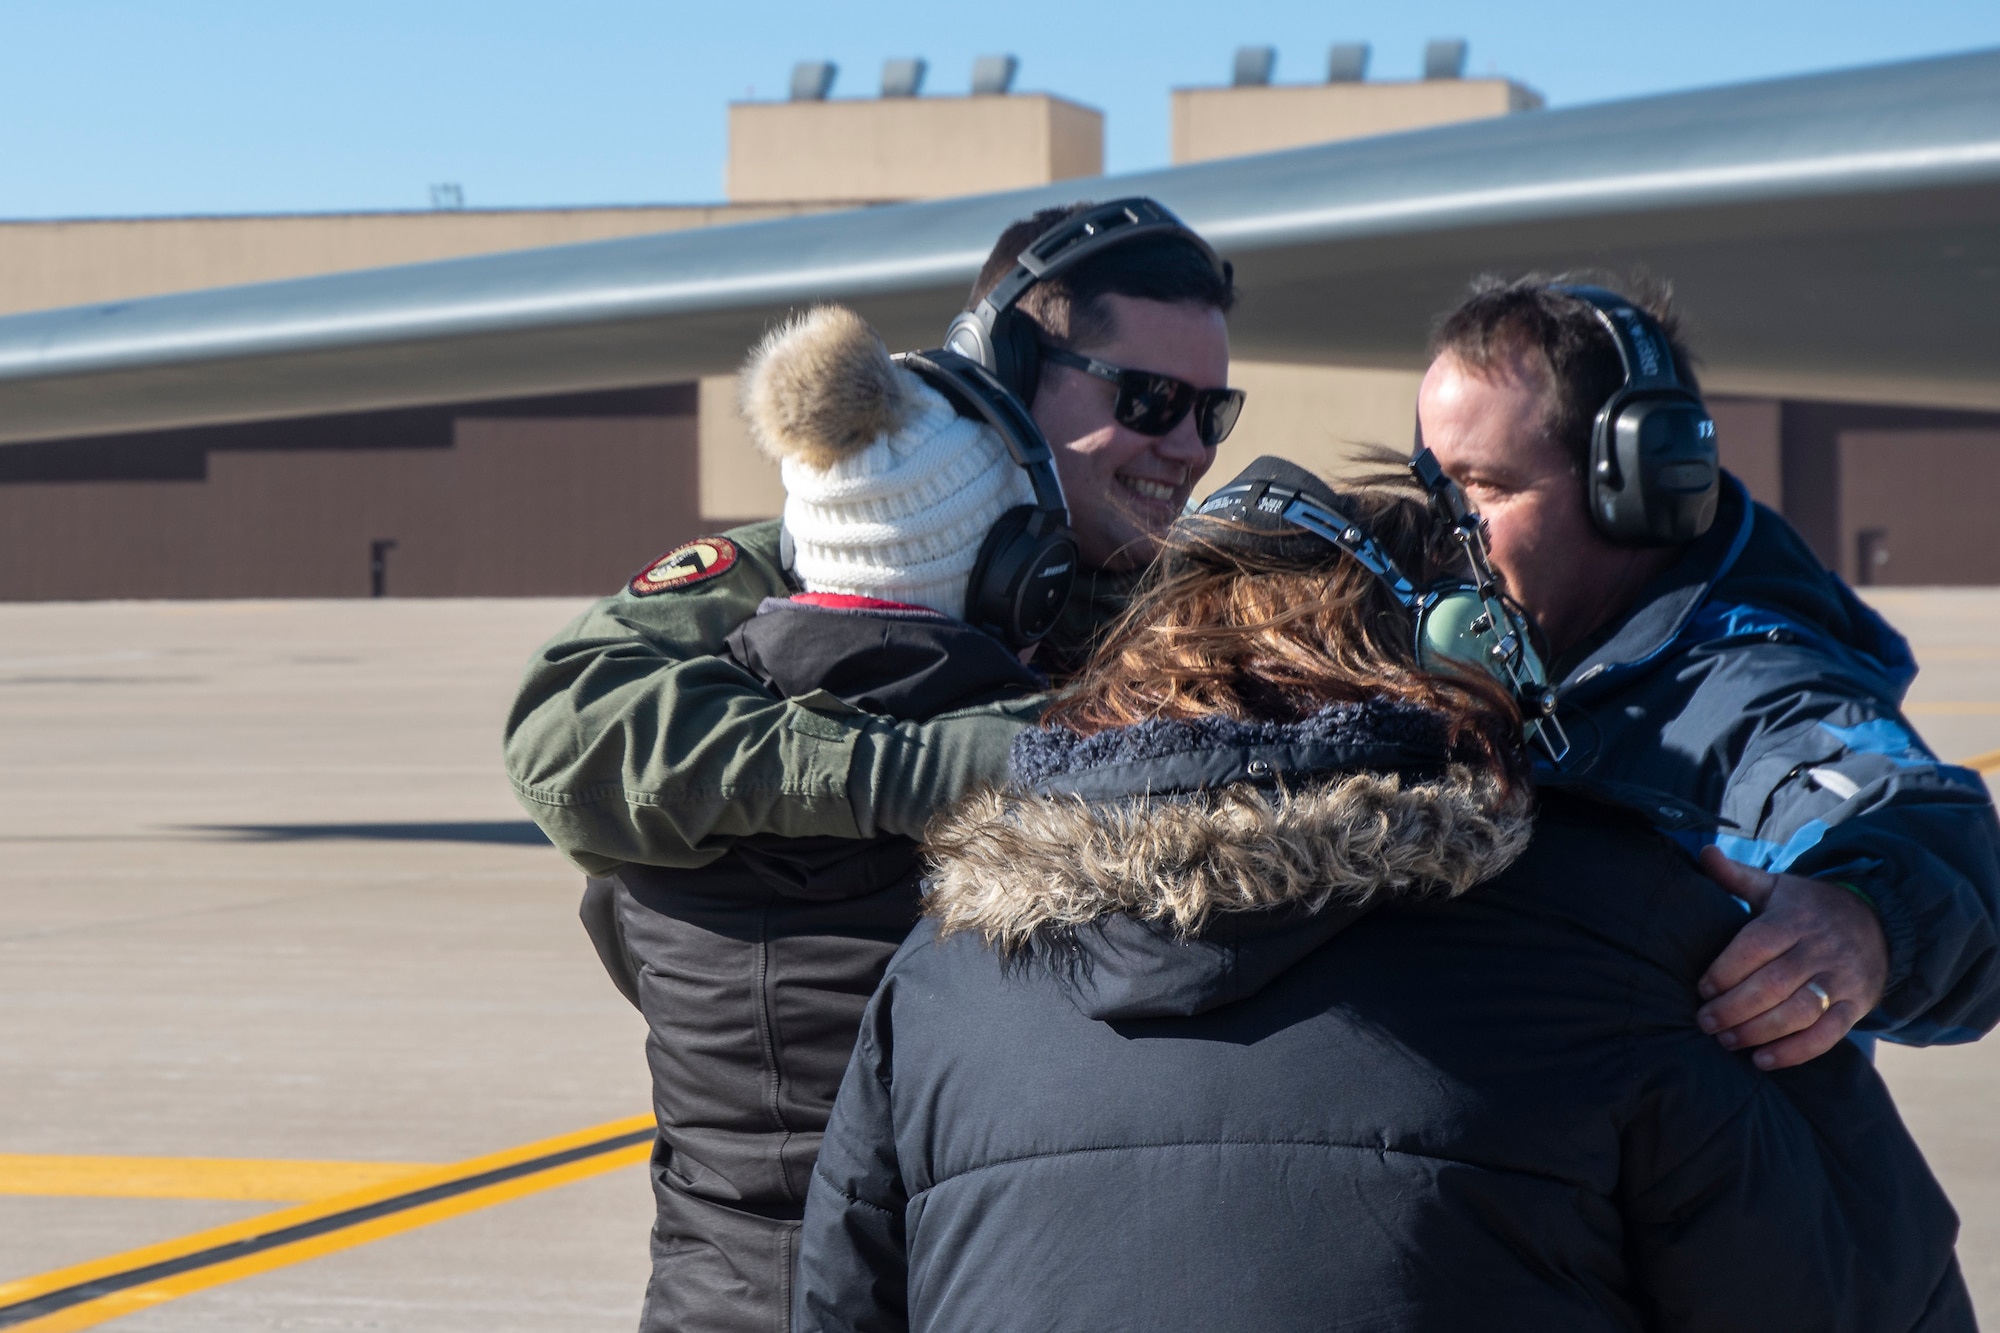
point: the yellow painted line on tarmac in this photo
(239, 1178)
(88, 1294)
(1954, 708)
(1984, 763)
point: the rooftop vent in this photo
(812, 80)
(993, 76)
(1445, 59)
(1254, 65)
(903, 77)
(1347, 62)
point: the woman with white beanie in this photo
(752, 971)
(889, 492)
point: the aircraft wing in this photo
(1830, 236)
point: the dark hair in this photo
(1274, 630)
(1501, 320)
(1069, 308)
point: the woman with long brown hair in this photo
(1264, 997)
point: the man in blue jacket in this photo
(1733, 675)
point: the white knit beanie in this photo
(889, 492)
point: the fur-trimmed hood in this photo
(1211, 837)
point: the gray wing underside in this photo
(1832, 236)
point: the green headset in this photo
(1467, 622)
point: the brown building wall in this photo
(1917, 506)
(1853, 469)
(569, 495)
(1885, 496)
(1747, 437)
(543, 497)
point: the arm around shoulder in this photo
(1845, 792)
(632, 740)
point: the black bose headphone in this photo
(1654, 474)
(1026, 567)
(1467, 623)
(1003, 340)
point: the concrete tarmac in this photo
(264, 894)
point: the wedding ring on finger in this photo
(1819, 993)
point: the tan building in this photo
(45, 265)
(899, 148)
(1231, 122)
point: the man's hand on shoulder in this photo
(1811, 964)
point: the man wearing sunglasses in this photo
(634, 740)
(1133, 360)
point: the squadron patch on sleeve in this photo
(684, 566)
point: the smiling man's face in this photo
(1124, 488)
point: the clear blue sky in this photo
(133, 107)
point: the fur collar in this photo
(1010, 863)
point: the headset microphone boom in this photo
(1464, 623)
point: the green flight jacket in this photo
(633, 739)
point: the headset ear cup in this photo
(986, 601)
(968, 337)
(1604, 481)
(1456, 627)
(1655, 476)
(1021, 581)
(1017, 355)
(1445, 631)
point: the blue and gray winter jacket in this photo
(1751, 685)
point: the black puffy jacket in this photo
(753, 971)
(1207, 1090)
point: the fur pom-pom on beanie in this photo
(889, 492)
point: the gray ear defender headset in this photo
(1027, 565)
(1000, 338)
(1460, 623)
(1654, 476)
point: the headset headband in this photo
(1089, 233)
(1323, 521)
(1642, 344)
(969, 385)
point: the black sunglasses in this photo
(1155, 404)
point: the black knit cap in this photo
(1243, 515)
